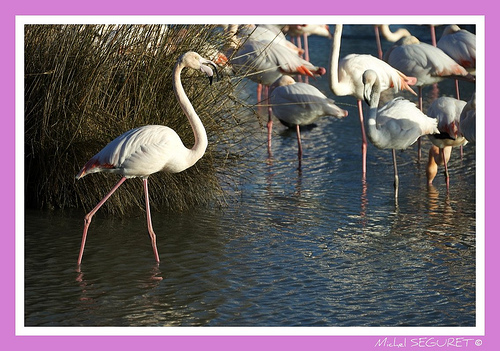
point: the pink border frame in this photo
(491, 339)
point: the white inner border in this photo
(478, 330)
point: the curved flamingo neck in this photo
(336, 87)
(200, 134)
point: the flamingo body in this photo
(423, 61)
(447, 111)
(264, 62)
(296, 103)
(396, 125)
(460, 45)
(141, 152)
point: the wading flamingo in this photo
(143, 151)
(264, 62)
(447, 112)
(298, 104)
(396, 125)
(346, 79)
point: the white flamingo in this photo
(298, 104)
(346, 79)
(447, 111)
(396, 125)
(143, 151)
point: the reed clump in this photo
(87, 84)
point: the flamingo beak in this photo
(208, 71)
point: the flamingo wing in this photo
(138, 153)
(460, 46)
(403, 123)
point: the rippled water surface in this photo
(314, 246)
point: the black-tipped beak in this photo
(208, 71)
(216, 72)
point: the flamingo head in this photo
(195, 61)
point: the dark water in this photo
(309, 247)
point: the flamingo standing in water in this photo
(346, 79)
(299, 104)
(396, 125)
(264, 62)
(143, 151)
(447, 112)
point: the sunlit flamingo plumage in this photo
(145, 150)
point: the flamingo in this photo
(426, 62)
(467, 126)
(264, 62)
(346, 79)
(143, 151)
(388, 35)
(298, 104)
(460, 45)
(262, 32)
(396, 125)
(447, 112)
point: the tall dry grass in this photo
(87, 84)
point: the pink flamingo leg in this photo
(88, 217)
(150, 223)
(379, 44)
(299, 142)
(364, 144)
(433, 35)
(446, 174)
(259, 93)
(396, 176)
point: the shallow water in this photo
(314, 246)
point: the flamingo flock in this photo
(265, 55)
